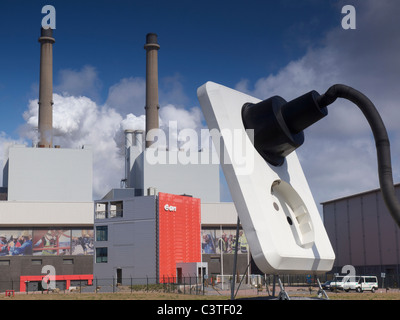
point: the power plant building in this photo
(166, 222)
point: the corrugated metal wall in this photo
(363, 233)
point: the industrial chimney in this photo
(46, 88)
(152, 105)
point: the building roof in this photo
(356, 195)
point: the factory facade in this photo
(364, 235)
(46, 217)
(163, 224)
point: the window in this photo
(102, 233)
(37, 262)
(116, 209)
(4, 262)
(101, 255)
(101, 210)
(68, 261)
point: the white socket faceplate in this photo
(275, 205)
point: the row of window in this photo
(101, 257)
(36, 262)
(101, 235)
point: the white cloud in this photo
(84, 82)
(132, 122)
(185, 118)
(128, 96)
(172, 91)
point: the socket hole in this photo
(276, 206)
(292, 207)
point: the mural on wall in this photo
(82, 242)
(40, 242)
(213, 241)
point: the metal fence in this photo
(192, 285)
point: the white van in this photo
(367, 283)
(337, 283)
(350, 283)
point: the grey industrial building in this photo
(48, 210)
(364, 235)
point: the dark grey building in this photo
(364, 235)
(125, 237)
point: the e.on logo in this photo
(167, 207)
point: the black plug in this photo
(278, 125)
(278, 130)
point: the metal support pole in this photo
(203, 280)
(235, 260)
(240, 283)
(321, 291)
(273, 285)
(282, 294)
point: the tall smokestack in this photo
(129, 137)
(46, 88)
(152, 105)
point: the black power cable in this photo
(381, 140)
(278, 130)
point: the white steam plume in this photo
(80, 121)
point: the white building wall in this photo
(200, 180)
(221, 213)
(37, 214)
(49, 174)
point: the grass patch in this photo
(136, 295)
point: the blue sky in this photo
(262, 48)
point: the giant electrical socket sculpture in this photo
(275, 205)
